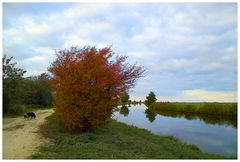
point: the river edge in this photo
(115, 140)
(210, 134)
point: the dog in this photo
(29, 114)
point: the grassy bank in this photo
(113, 141)
(229, 109)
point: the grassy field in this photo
(113, 141)
(229, 109)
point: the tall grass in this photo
(198, 108)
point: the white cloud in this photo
(149, 35)
(74, 40)
(196, 95)
(174, 41)
(34, 28)
(229, 58)
(177, 64)
(86, 10)
(199, 95)
(34, 73)
(143, 54)
(35, 59)
(210, 96)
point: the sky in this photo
(189, 50)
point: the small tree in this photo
(125, 98)
(89, 83)
(151, 98)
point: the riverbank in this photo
(222, 109)
(113, 141)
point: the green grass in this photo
(229, 109)
(113, 141)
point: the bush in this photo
(89, 83)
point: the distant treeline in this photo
(37, 90)
(197, 108)
(20, 92)
(34, 91)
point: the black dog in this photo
(29, 114)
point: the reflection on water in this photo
(124, 110)
(208, 119)
(150, 115)
(212, 134)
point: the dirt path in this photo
(20, 137)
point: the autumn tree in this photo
(151, 98)
(89, 83)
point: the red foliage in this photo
(89, 83)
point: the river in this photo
(210, 134)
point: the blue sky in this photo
(188, 49)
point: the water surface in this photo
(217, 135)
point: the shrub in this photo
(89, 83)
